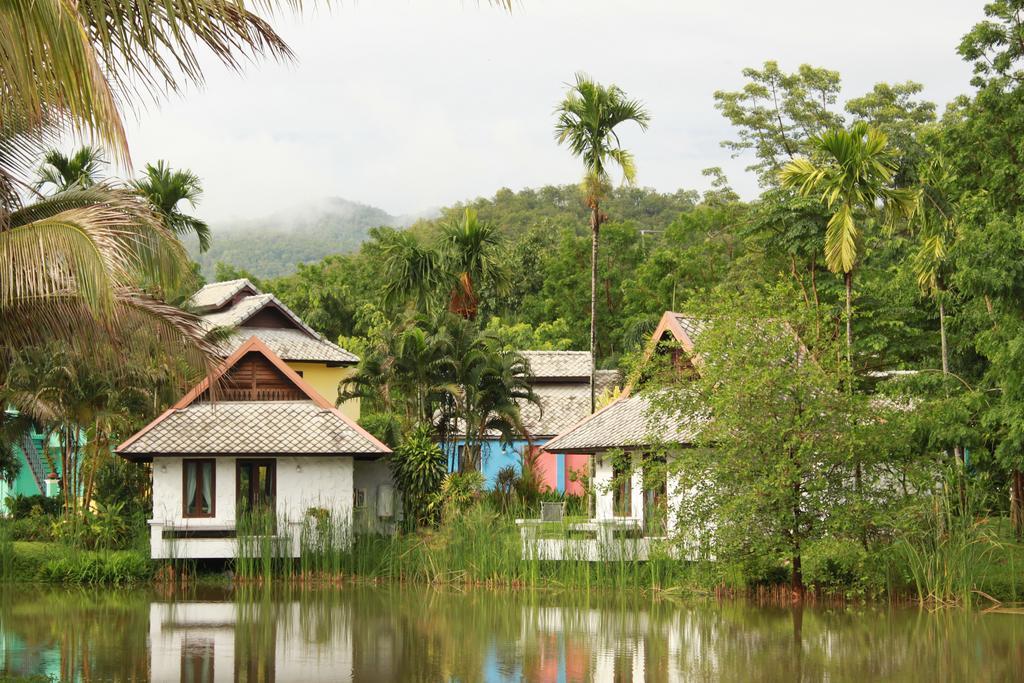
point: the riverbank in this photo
(482, 548)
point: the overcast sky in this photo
(414, 104)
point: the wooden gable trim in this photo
(257, 345)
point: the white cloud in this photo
(407, 104)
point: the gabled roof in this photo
(216, 294)
(559, 365)
(628, 422)
(286, 342)
(295, 427)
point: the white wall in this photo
(605, 495)
(302, 483)
(369, 476)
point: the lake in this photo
(401, 633)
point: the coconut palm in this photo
(81, 169)
(71, 265)
(70, 268)
(471, 255)
(165, 188)
(586, 123)
(852, 172)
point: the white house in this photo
(255, 435)
(617, 437)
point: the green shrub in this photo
(458, 492)
(419, 467)
(20, 505)
(31, 528)
(834, 564)
(123, 483)
(385, 426)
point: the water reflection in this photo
(407, 634)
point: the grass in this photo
(57, 563)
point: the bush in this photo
(458, 492)
(123, 483)
(31, 528)
(23, 506)
(385, 426)
(835, 564)
(419, 466)
(106, 527)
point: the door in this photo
(256, 488)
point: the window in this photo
(622, 493)
(199, 488)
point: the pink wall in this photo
(575, 462)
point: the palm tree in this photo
(165, 188)
(939, 231)
(587, 119)
(852, 172)
(471, 255)
(411, 270)
(81, 169)
(70, 269)
(71, 264)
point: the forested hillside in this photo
(273, 246)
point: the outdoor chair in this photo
(552, 512)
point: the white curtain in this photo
(207, 487)
(190, 483)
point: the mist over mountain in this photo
(273, 245)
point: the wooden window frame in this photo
(185, 512)
(255, 461)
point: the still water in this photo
(418, 634)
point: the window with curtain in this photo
(199, 488)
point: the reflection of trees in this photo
(99, 635)
(419, 634)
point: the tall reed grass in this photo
(950, 545)
(477, 547)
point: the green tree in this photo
(852, 171)
(472, 254)
(81, 169)
(586, 123)
(766, 473)
(165, 188)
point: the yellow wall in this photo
(325, 380)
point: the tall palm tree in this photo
(938, 229)
(412, 270)
(471, 255)
(852, 172)
(81, 169)
(586, 122)
(165, 188)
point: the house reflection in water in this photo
(252, 642)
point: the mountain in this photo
(272, 246)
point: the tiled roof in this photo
(558, 364)
(216, 294)
(303, 344)
(289, 344)
(605, 379)
(253, 428)
(561, 406)
(240, 312)
(691, 326)
(626, 423)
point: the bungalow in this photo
(561, 382)
(255, 435)
(239, 306)
(618, 437)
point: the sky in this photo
(410, 105)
